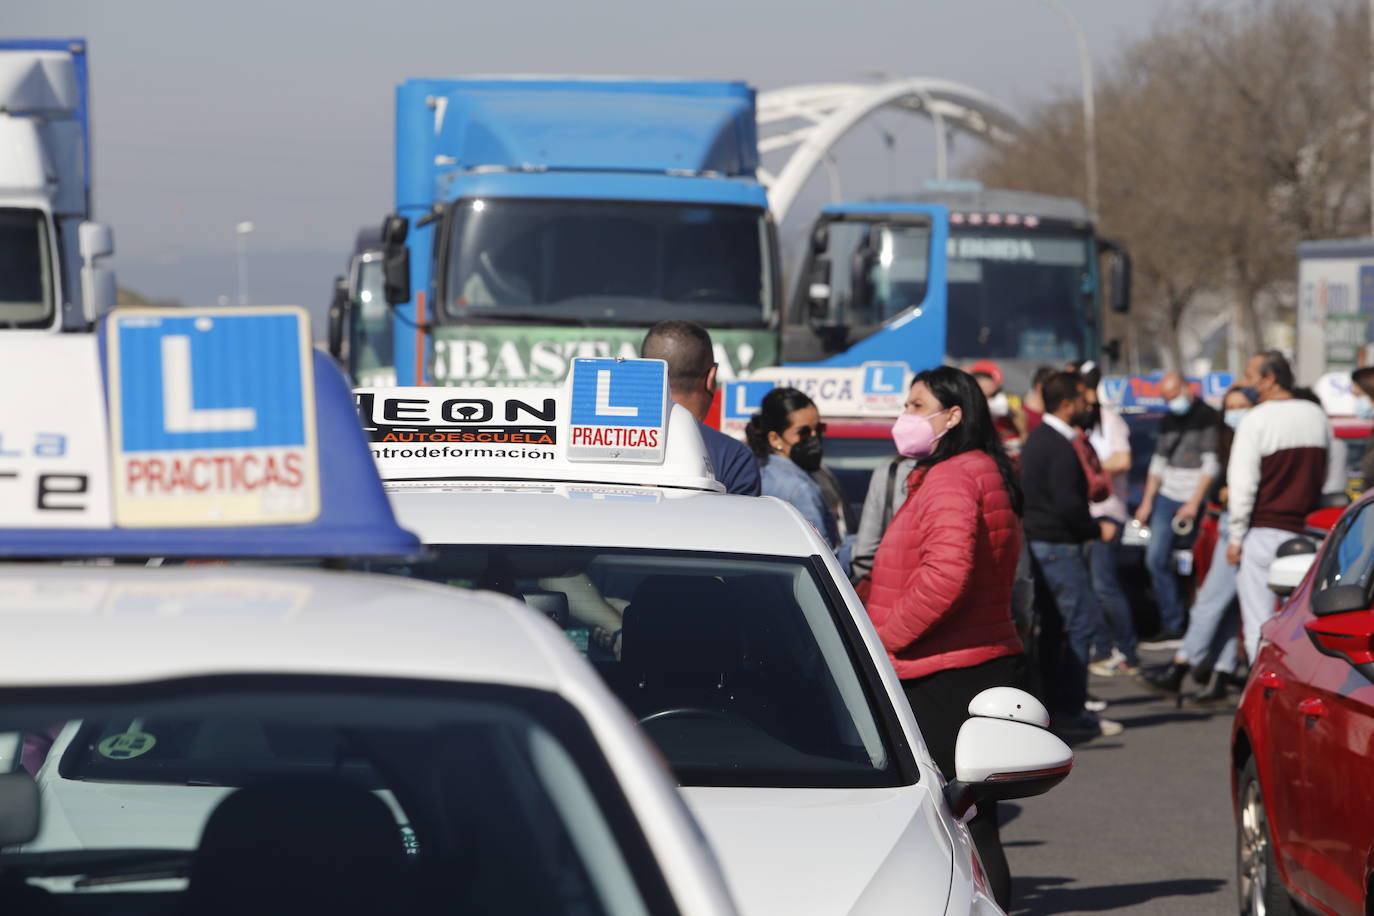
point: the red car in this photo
(1303, 740)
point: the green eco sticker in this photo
(126, 746)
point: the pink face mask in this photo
(914, 435)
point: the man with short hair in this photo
(1181, 472)
(686, 348)
(1275, 475)
(1058, 524)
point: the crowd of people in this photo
(988, 551)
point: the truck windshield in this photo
(373, 340)
(606, 262)
(26, 287)
(1018, 295)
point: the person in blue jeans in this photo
(1181, 473)
(1212, 642)
(1058, 525)
(787, 438)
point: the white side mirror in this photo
(96, 241)
(98, 290)
(1291, 563)
(11, 751)
(1004, 751)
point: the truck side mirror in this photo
(396, 259)
(1119, 281)
(340, 313)
(818, 290)
(98, 292)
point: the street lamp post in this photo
(242, 230)
(1085, 64)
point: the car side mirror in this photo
(1004, 751)
(11, 751)
(1291, 563)
(1348, 636)
(395, 260)
(19, 808)
(1339, 599)
(818, 290)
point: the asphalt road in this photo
(1142, 825)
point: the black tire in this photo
(1261, 890)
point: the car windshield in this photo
(350, 796)
(739, 668)
(1018, 295)
(606, 262)
(26, 286)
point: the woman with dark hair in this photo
(786, 436)
(942, 579)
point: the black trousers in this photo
(940, 703)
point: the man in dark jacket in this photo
(686, 348)
(1058, 524)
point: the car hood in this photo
(860, 852)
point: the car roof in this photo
(859, 428)
(610, 516)
(83, 625)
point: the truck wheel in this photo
(1261, 889)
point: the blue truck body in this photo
(629, 141)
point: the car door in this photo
(1335, 706)
(1279, 675)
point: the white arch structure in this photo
(814, 117)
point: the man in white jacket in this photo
(1276, 473)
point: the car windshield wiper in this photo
(99, 866)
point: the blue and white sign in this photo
(617, 410)
(212, 415)
(884, 387)
(738, 402)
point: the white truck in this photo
(1335, 305)
(50, 278)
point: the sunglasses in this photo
(805, 432)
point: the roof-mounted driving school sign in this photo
(617, 410)
(54, 455)
(213, 417)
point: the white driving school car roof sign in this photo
(612, 423)
(54, 455)
(618, 410)
(213, 419)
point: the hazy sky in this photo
(208, 113)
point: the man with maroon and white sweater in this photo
(1276, 472)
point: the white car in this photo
(203, 737)
(351, 743)
(729, 629)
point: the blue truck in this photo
(542, 219)
(50, 279)
(956, 273)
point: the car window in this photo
(737, 667)
(1349, 559)
(479, 800)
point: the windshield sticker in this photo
(127, 745)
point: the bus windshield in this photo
(606, 262)
(26, 289)
(1018, 295)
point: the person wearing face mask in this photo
(1211, 644)
(1059, 525)
(1008, 421)
(786, 438)
(1181, 472)
(943, 576)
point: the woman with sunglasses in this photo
(941, 593)
(786, 436)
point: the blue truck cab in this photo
(542, 219)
